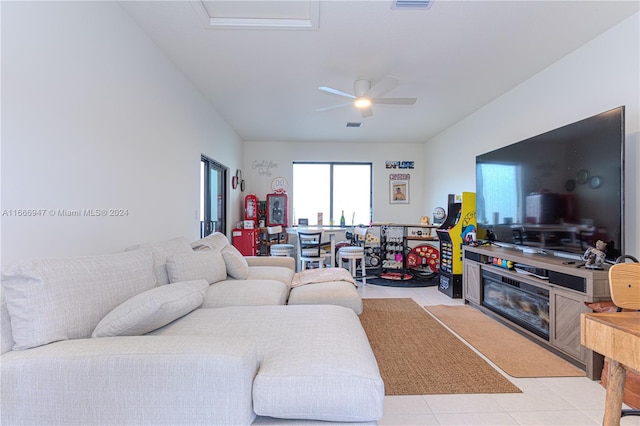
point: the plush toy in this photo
(594, 256)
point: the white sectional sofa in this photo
(181, 333)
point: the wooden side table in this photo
(616, 336)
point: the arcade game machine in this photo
(458, 228)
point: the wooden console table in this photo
(616, 336)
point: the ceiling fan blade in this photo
(394, 101)
(382, 87)
(329, 108)
(366, 112)
(336, 92)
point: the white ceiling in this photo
(454, 57)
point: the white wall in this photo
(601, 75)
(266, 161)
(94, 116)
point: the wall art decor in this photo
(399, 188)
(399, 164)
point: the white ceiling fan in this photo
(364, 95)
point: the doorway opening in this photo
(213, 197)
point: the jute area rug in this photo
(418, 356)
(514, 354)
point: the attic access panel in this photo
(287, 15)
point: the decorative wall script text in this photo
(264, 167)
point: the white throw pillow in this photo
(152, 309)
(65, 298)
(198, 265)
(237, 266)
(215, 241)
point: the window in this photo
(213, 197)
(501, 182)
(331, 189)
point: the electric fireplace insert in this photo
(521, 303)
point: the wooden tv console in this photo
(568, 287)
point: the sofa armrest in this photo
(131, 380)
(287, 262)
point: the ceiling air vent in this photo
(353, 124)
(411, 4)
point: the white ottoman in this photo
(340, 293)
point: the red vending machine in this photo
(246, 241)
(277, 210)
(251, 209)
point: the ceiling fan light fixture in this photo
(362, 102)
(364, 95)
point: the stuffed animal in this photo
(594, 257)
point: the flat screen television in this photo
(560, 191)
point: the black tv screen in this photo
(561, 191)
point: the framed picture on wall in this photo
(277, 211)
(398, 190)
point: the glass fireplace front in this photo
(521, 303)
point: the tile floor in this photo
(543, 401)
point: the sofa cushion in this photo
(339, 293)
(278, 273)
(315, 361)
(237, 266)
(152, 309)
(197, 265)
(161, 251)
(245, 293)
(132, 380)
(283, 262)
(65, 298)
